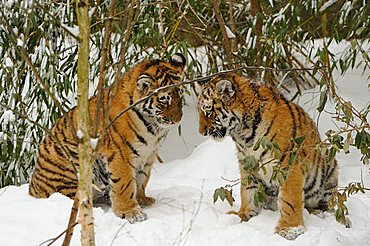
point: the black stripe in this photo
(256, 121)
(59, 151)
(289, 204)
(309, 186)
(110, 158)
(251, 187)
(146, 124)
(62, 129)
(294, 127)
(114, 180)
(315, 192)
(263, 154)
(275, 94)
(47, 149)
(37, 186)
(65, 187)
(285, 212)
(142, 172)
(138, 136)
(62, 174)
(117, 146)
(298, 109)
(134, 151)
(332, 169)
(255, 89)
(125, 141)
(63, 168)
(123, 189)
(45, 182)
(271, 123)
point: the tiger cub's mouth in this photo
(217, 134)
(167, 122)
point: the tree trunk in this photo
(85, 151)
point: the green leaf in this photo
(293, 158)
(331, 154)
(299, 140)
(222, 194)
(323, 99)
(264, 170)
(257, 145)
(216, 195)
(249, 162)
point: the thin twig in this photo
(103, 69)
(53, 240)
(120, 64)
(221, 22)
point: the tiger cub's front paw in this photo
(244, 215)
(135, 215)
(290, 233)
(145, 201)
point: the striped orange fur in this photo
(129, 147)
(233, 105)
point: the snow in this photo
(8, 62)
(75, 31)
(229, 33)
(80, 135)
(94, 142)
(91, 12)
(7, 116)
(20, 42)
(327, 5)
(184, 213)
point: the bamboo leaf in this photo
(323, 99)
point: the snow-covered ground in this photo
(184, 213)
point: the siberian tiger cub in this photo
(232, 105)
(129, 147)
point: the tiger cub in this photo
(129, 148)
(232, 105)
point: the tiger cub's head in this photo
(217, 107)
(164, 107)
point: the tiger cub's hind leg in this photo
(101, 182)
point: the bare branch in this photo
(103, 69)
(199, 79)
(53, 240)
(221, 22)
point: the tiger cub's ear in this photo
(225, 88)
(178, 60)
(144, 82)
